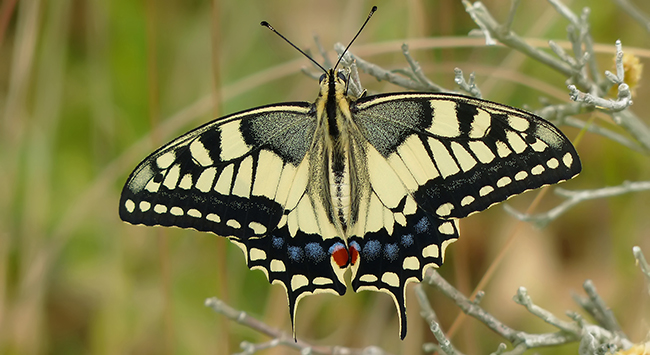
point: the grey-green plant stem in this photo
(641, 261)
(576, 196)
(560, 114)
(280, 338)
(634, 12)
(355, 88)
(519, 339)
(633, 125)
(467, 86)
(381, 73)
(594, 85)
(601, 312)
(417, 71)
(579, 34)
(514, 4)
(624, 94)
(623, 102)
(523, 299)
(607, 335)
(491, 27)
(445, 344)
(607, 133)
(501, 349)
(429, 315)
(327, 63)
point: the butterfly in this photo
(374, 185)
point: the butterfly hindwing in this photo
(301, 262)
(398, 250)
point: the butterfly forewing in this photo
(458, 155)
(208, 179)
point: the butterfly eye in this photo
(322, 77)
(341, 76)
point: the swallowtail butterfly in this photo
(374, 185)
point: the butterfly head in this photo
(334, 82)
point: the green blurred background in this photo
(89, 88)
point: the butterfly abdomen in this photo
(339, 180)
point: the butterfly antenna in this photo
(372, 11)
(268, 25)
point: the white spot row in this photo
(518, 123)
(145, 206)
(166, 160)
(299, 280)
(485, 190)
(537, 170)
(445, 209)
(431, 251)
(467, 200)
(567, 160)
(504, 181)
(447, 228)
(411, 263)
(390, 278)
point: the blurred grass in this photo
(81, 106)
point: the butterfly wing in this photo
(245, 177)
(434, 158)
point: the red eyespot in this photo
(340, 255)
(354, 253)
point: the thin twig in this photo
(635, 13)
(575, 197)
(280, 337)
(640, 260)
(383, 74)
(606, 336)
(468, 86)
(418, 73)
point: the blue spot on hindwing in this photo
(422, 226)
(277, 242)
(407, 240)
(336, 246)
(355, 245)
(295, 253)
(371, 249)
(315, 252)
(391, 251)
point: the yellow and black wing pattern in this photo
(376, 185)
